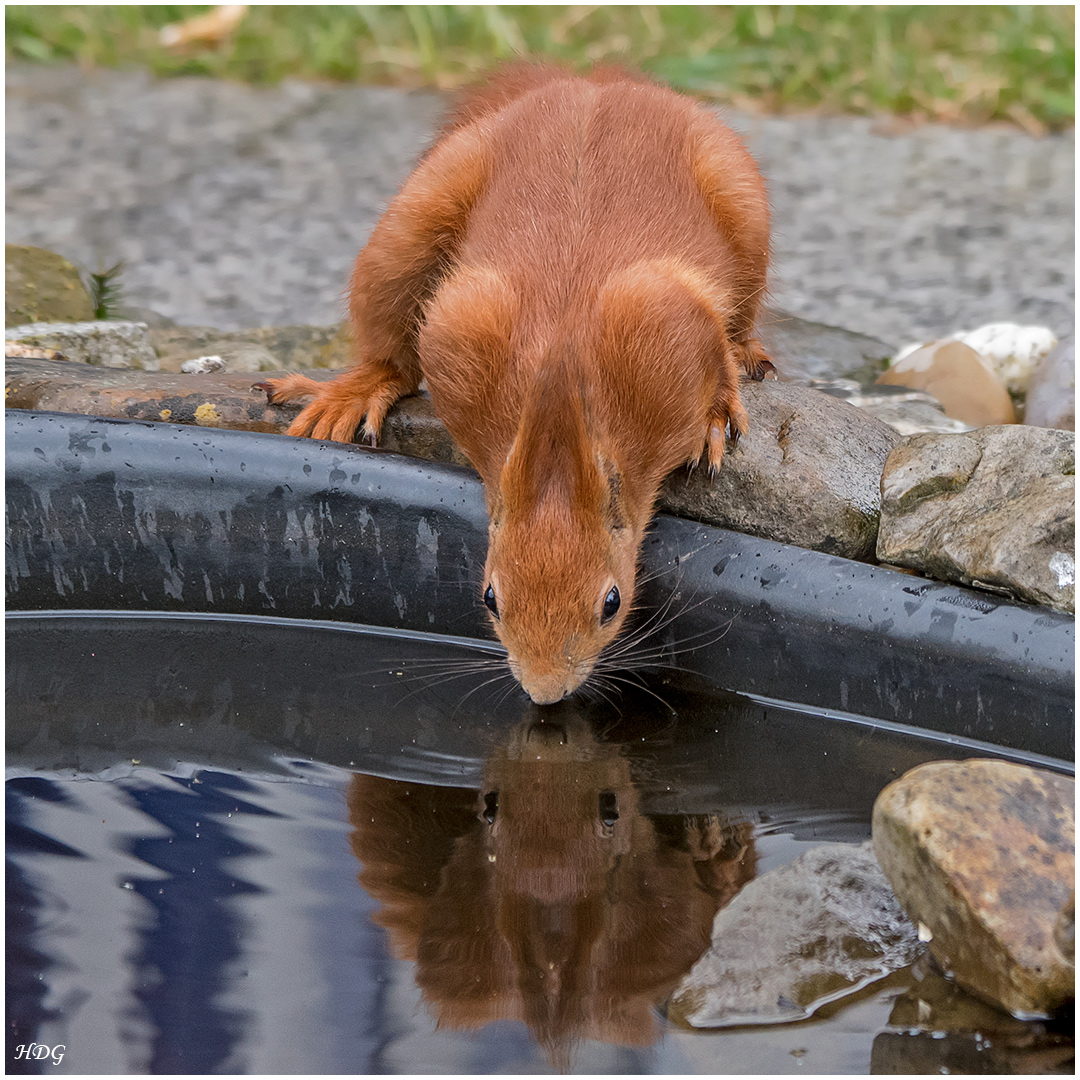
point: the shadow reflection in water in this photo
(548, 897)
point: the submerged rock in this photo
(1051, 394)
(101, 343)
(994, 508)
(959, 378)
(981, 854)
(41, 286)
(807, 473)
(820, 928)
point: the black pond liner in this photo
(117, 515)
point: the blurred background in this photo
(234, 158)
(970, 64)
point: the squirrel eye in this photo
(491, 806)
(609, 808)
(489, 599)
(611, 605)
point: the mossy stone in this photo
(41, 286)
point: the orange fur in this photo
(575, 267)
(538, 912)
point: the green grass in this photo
(969, 64)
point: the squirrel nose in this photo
(545, 689)
(543, 694)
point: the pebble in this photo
(956, 375)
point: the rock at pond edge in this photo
(981, 852)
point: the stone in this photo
(794, 939)
(1065, 930)
(212, 399)
(936, 1027)
(957, 376)
(1051, 392)
(906, 411)
(202, 365)
(1011, 351)
(807, 473)
(41, 286)
(993, 508)
(802, 350)
(267, 348)
(102, 343)
(980, 853)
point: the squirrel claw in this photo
(764, 368)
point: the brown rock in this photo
(807, 473)
(956, 375)
(981, 853)
(994, 508)
(41, 286)
(206, 400)
(211, 400)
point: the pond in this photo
(244, 844)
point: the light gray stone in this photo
(796, 938)
(1051, 395)
(994, 508)
(981, 854)
(806, 473)
(101, 343)
(906, 411)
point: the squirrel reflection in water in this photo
(550, 897)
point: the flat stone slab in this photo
(982, 854)
(98, 342)
(994, 508)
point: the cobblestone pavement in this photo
(234, 206)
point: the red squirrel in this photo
(575, 268)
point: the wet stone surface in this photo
(797, 938)
(994, 508)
